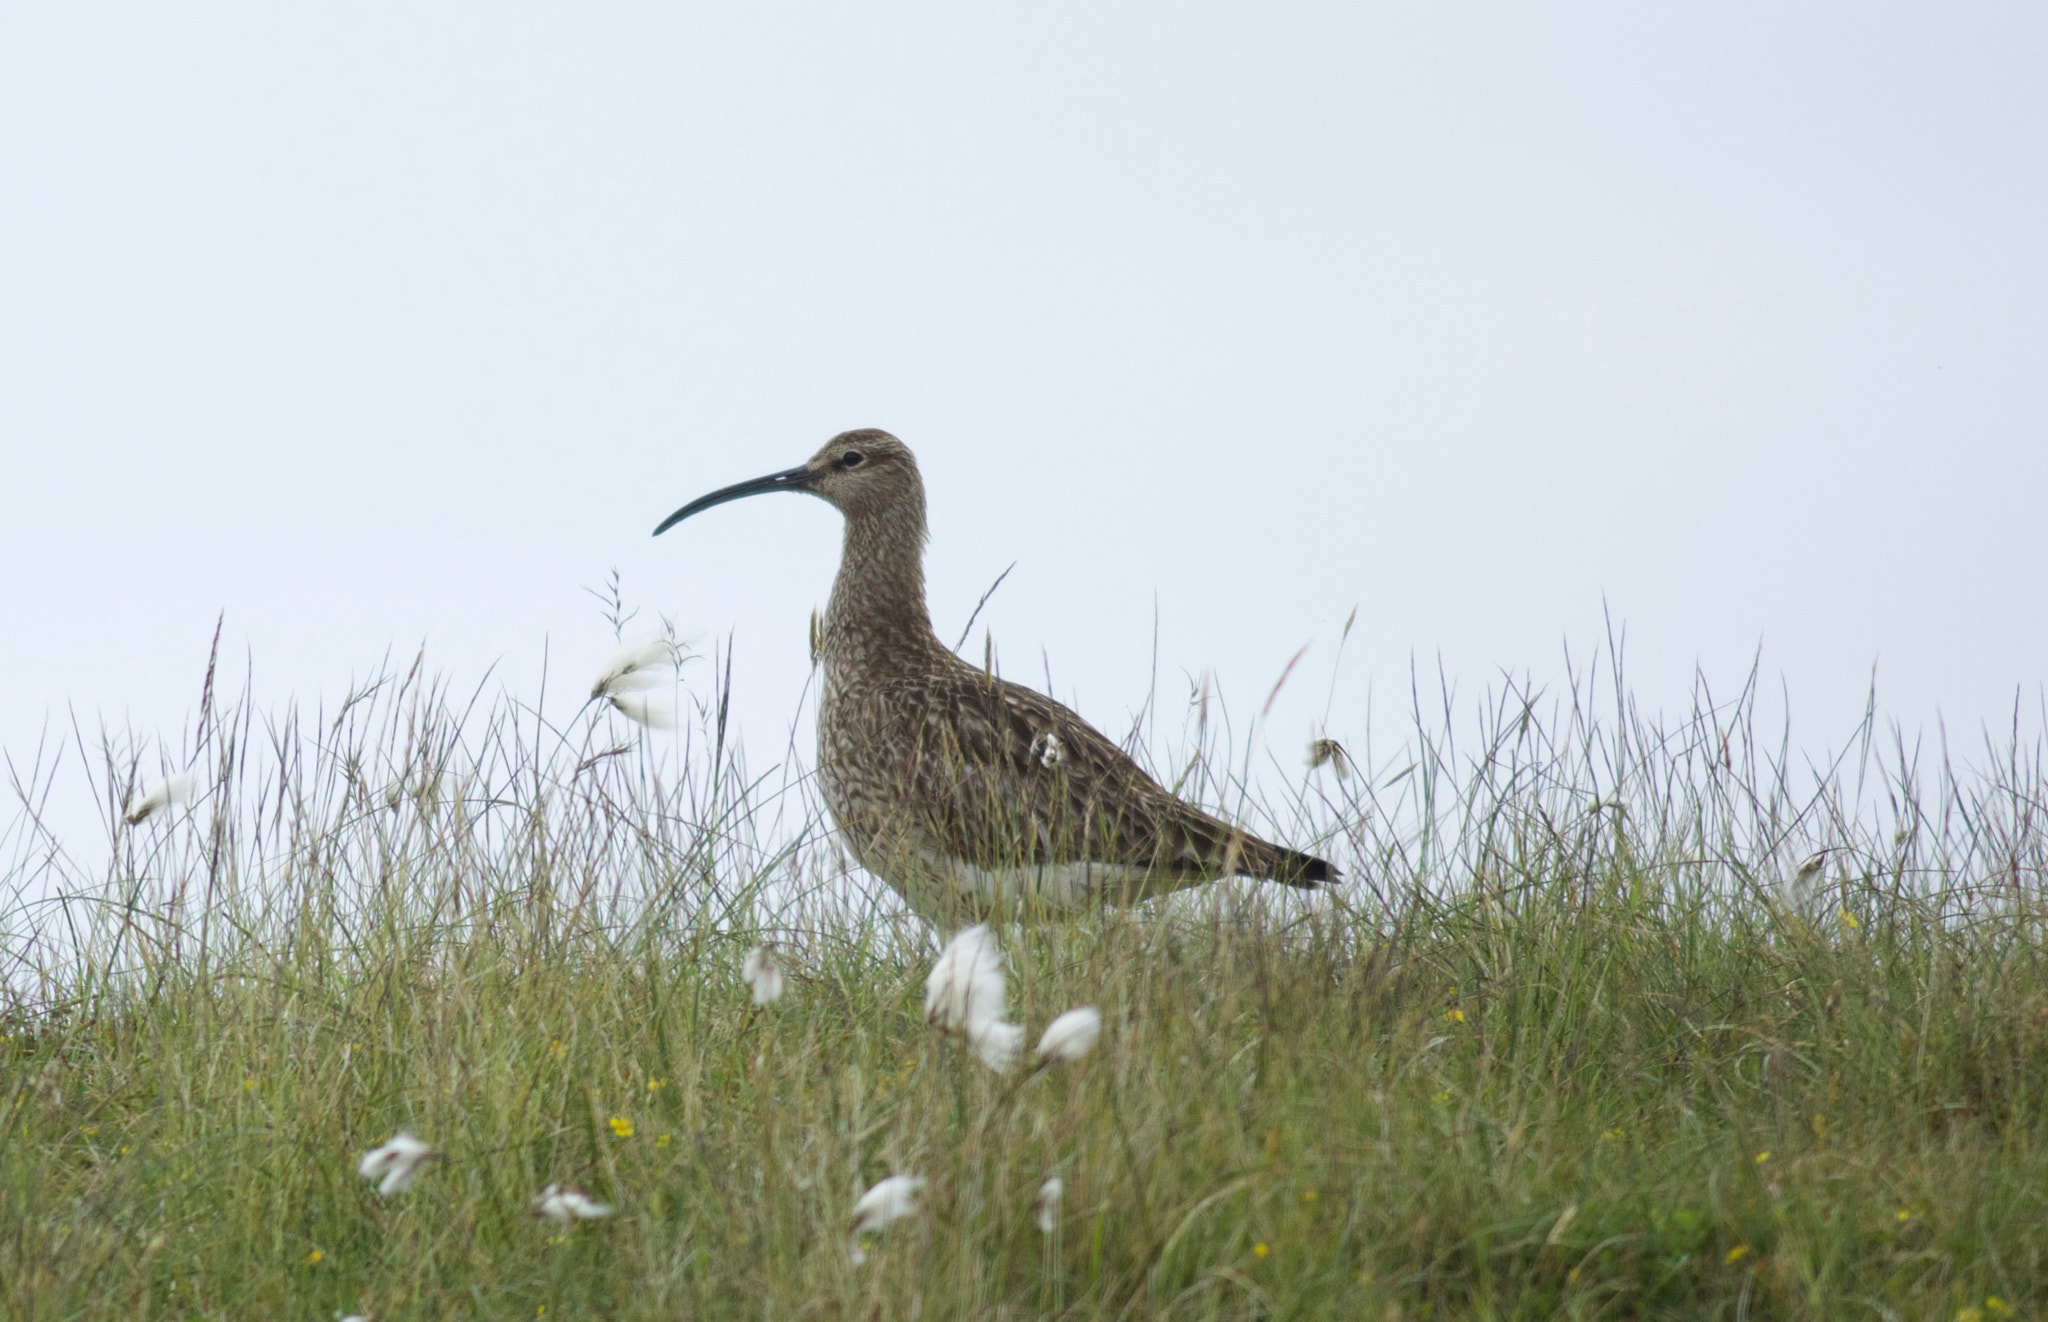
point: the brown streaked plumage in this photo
(963, 791)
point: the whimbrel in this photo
(964, 792)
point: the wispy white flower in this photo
(1328, 752)
(763, 974)
(562, 1206)
(1047, 1203)
(396, 1163)
(966, 984)
(170, 790)
(352, 1317)
(637, 663)
(1070, 1037)
(635, 666)
(1800, 890)
(997, 1043)
(965, 994)
(644, 709)
(889, 1201)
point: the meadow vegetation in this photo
(1577, 1037)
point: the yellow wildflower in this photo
(622, 1126)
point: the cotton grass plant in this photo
(170, 790)
(1563, 1045)
(395, 1163)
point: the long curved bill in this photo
(795, 479)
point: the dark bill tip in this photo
(795, 479)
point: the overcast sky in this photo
(369, 325)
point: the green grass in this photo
(1561, 1048)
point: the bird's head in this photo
(863, 473)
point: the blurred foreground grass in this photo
(1566, 1045)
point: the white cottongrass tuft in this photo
(888, 1202)
(644, 709)
(763, 974)
(966, 984)
(562, 1206)
(1070, 1037)
(1047, 1203)
(1330, 753)
(169, 790)
(997, 1043)
(637, 663)
(1805, 882)
(395, 1163)
(965, 994)
(633, 667)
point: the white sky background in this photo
(375, 324)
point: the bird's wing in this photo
(1004, 776)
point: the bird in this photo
(968, 794)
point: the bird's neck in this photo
(877, 610)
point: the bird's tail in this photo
(1295, 868)
(1192, 845)
(1231, 851)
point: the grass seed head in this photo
(888, 1202)
(1071, 1036)
(997, 1043)
(169, 790)
(637, 663)
(763, 974)
(1047, 1203)
(1803, 887)
(643, 709)
(966, 988)
(1330, 753)
(396, 1163)
(562, 1206)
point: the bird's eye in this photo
(851, 459)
